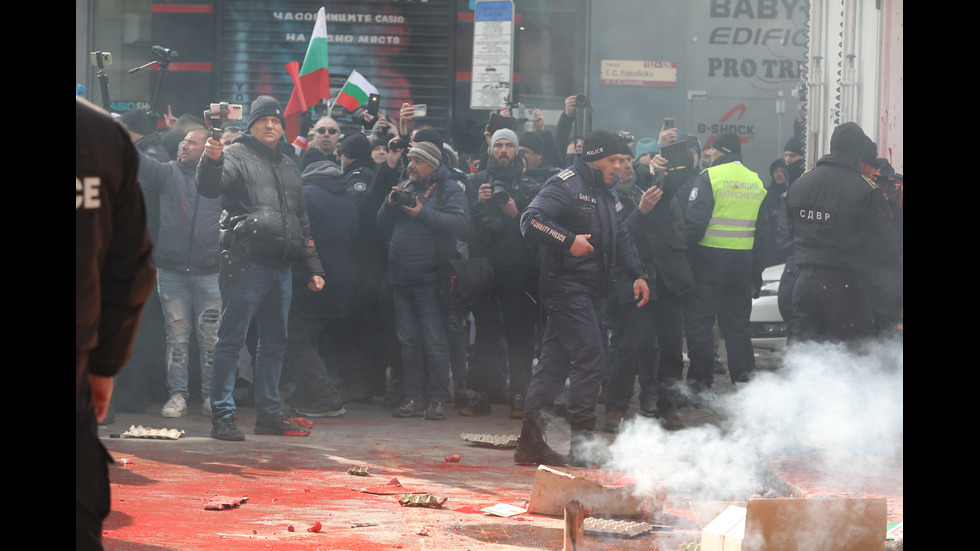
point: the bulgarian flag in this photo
(311, 82)
(355, 92)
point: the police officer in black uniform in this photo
(574, 220)
(842, 228)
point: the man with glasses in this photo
(325, 136)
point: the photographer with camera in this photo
(501, 193)
(423, 216)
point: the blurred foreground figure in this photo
(113, 277)
(842, 229)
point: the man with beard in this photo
(502, 192)
(423, 215)
(574, 221)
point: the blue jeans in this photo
(421, 327)
(265, 294)
(189, 299)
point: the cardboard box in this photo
(608, 493)
(816, 524)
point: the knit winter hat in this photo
(795, 144)
(427, 153)
(264, 106)
(356, 146)
(599, 145)
(137, 121)
(533, 141)
(849, 140)
(429, 135)
(727, 143)
(647, 145)
(504, 134)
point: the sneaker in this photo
(517, 406)
(648, 408)
(329, 410)
(280, 426)
(479, 404)
(206, 408)
(176, 406)
(435, 412)
(613, 420)
(225, 429)
(409, 408)
(302, 422)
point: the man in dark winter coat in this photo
(264, 232)
(498, 195)
(842, 229)
(424, 214)
(574, 220)
(316, 318)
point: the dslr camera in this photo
(404, 197)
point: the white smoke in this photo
(846, 404)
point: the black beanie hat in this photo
(429, 135)
(137, 121)
(356, 146)
(727, 143)
(692, 142)
(533, 141)
(850, 141)
(795, 144)
(599, 145)
(264, 106)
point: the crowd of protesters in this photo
(386, 205)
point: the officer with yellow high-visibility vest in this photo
(721, 224)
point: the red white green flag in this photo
(311, 82)
(355, 92)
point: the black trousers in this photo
(831, 305)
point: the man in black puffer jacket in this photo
(264, 231)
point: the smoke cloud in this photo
(845, 403)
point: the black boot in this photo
(584, 450)
(532, 449)
(479, 404)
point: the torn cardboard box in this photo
(601, 493)
(818, 524)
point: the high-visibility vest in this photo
(738, 196)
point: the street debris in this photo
(147, 432)
(290, 528)
(617, 528)
(574, 526)
(220, 503)
(422, 532)
(454, 458)
(491, 440)
(391, 487)
(829, 524)
(503, 510)
(363, 524)
(316, 527)
(421, 500)
(360, 470)
(602, 493)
